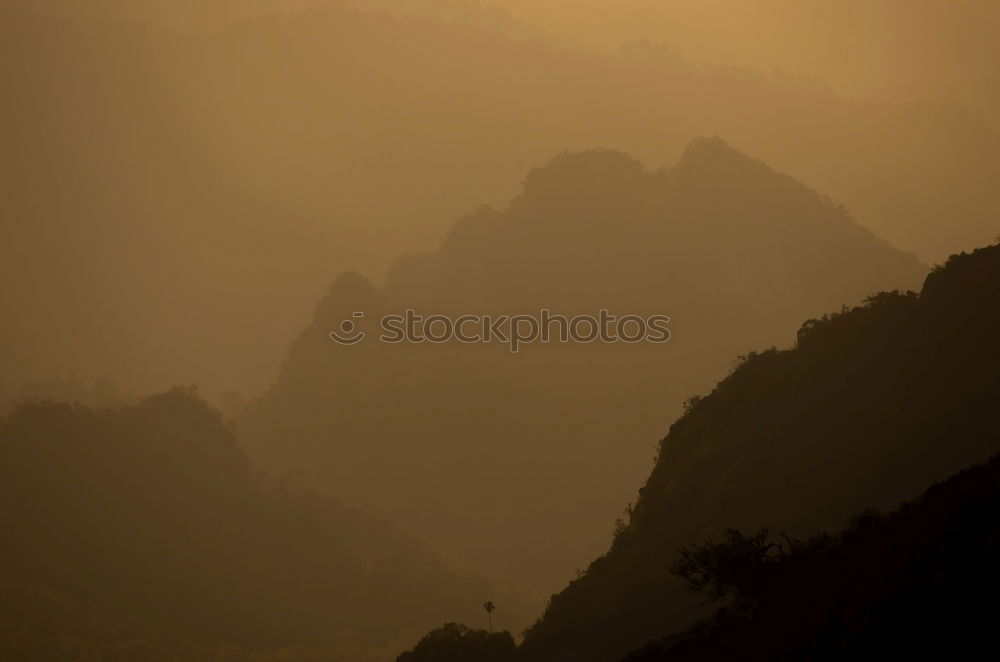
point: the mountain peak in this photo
(351, 283)
(349, 292)
(714, 153)
(591, 173)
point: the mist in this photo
(200, 200)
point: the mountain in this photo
(183, 199)
(917, 582)
(872, 405)
(924, 60)
(142, 533)
(940, 50)
(518, 460)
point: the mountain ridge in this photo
(703, 242)
(144, 528)
(874, 403)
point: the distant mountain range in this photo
(520, 461)
(182, 200)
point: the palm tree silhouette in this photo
(489, 607)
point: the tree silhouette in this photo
(489, 607)
(736, 566)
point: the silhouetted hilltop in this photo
(454, 641)
(873, 404)
(734, 252)
(918, 583)
(141, 533)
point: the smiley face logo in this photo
(349, 333)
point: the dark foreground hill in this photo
(142, 534)
(520, 461)
(919, 583)
(873, 405)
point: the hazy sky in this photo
(232, 174)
